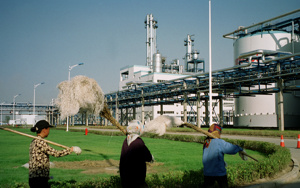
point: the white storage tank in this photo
(260, 110)
(157, 62)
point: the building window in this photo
(166, 112)
(124, 75)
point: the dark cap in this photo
(40, 125)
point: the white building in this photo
(27, 119)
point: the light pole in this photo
(1, 112)
(14, 109)
(69, 78)
(71, 67)
(35, 86)
(210, 73)
(51, 113)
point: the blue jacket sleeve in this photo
(229, 148)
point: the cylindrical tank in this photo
(157, 62)
(260, 111)
(195, 54)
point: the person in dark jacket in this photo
(134, 156)
(214, 166)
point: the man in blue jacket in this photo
(213, 157)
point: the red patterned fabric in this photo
(215, 130)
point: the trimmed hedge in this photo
(278, 159)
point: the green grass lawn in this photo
(171, 155)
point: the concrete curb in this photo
(291, 175)
(279, 182)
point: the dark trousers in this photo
(134, 184)
(40, 182)
(210, 181)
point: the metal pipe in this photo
(282, 57)
(260, 23)
(292, 37)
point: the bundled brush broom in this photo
(80, 93)
(161, 123)
(106, 114)
(83, 94)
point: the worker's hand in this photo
(242, 155)
(152, 160)
(76, 150)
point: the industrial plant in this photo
(261, 89)
(255, 92)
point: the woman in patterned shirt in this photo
(39, 151)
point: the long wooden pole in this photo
(106, 114)
(34, 137)
(212, 136)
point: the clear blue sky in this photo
(39, 39)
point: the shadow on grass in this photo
(106, 157)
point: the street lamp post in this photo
(69, 78)
(71, 67)
(35, 86)
(51, 113)
(14, 109)
(210, 67)
(1, 112)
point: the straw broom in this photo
(106, 114)
(35, 137)
(83, 94)
(161, 123)
(79, 94)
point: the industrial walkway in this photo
(261, 72)
(231, 82)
